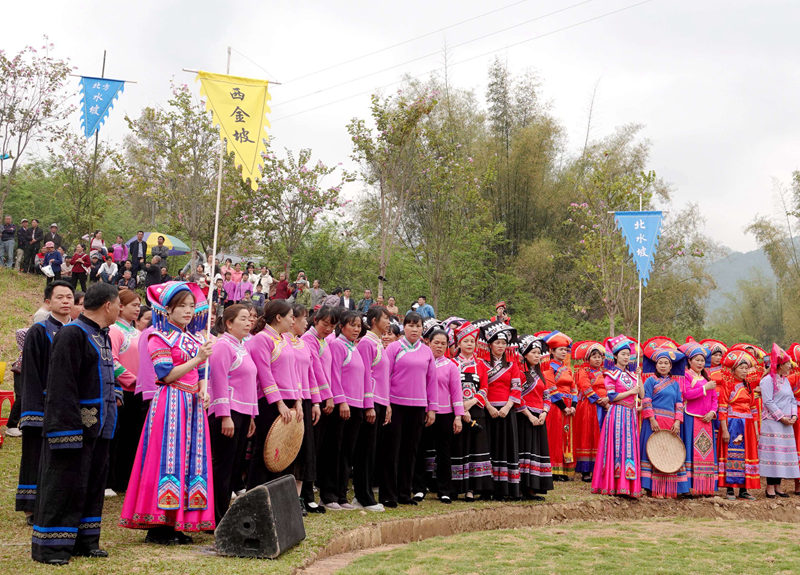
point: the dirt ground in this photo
(347, 547)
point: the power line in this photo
(246, 57)
(408, 41)
(531, 39)
(428, 55)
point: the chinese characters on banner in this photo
(239, 106)
(98, 95)
(641, 231)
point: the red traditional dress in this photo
(587, 422)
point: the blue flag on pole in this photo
(641, 231)
(98, 95)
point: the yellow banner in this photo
(239, 106)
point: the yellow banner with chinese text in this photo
(239, 106)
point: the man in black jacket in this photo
(32, 247)
(54, 236)
(23, 239)
(80, 415)
(138, 252)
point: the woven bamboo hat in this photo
(283, 444)
(666, 451)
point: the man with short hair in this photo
(161, 251)
(32, 247)
(23, 239)
(127, 280)
(80, 415)
(346, 301)
(137, 251)
(54, 236)
(153, 272)
(424, 308)
(58, 298)
(7, 238)
(366, 302)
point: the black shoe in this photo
(445, 499)
(406, 502)
(57, 562)
(469, 498)
(183, 539)
(94, 553)
(781, 494)
(29, 520)
(160, 537)
(586, 477)
(313, 507)
(768, 496)
(536, 498)
(389, 504)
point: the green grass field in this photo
(654, 546)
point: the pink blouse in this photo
(125, 351)
(697, 400)
(304, 365)
(232, 379)
(274, 359)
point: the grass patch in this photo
(21, 296)
(652, 546)
(130, 555)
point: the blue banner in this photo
(98, 95)
(641, 231)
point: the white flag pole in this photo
(216, 215)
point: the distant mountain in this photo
(728, 270)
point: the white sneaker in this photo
(378, 507)
(13, 432)
(347, 506)
(241, 492)
(110, 493)
(419, 496)
(332, 506)
(356, 503)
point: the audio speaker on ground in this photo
(264, 522)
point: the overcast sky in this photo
(715, 84)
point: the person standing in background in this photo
(137, 249)
(7, 242)
(54, 236)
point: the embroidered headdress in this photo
(676, 358)
(161, 294)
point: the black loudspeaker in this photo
(263, 523)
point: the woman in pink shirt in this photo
(448, 418)
(351, 385)
(234, 403)
(413, 396)
(279, 393)
(325, 319)
(305, 468)
(125, 351)
(370, 347)
(700, 404)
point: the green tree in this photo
(33, 107)
(389, 161)
(289, 202)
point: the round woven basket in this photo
(666, 451)
(283, 444)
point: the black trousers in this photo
(307, 491)
(79, 277)
(56, 277)
(16, 409)
(125, 442)
(27, 488)
(400, 449)
(69, 506)
(338, 451)
(443, 439)
(30, 255)
(258, 474)
(774, 480)
(364, 457)
(226, 456)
